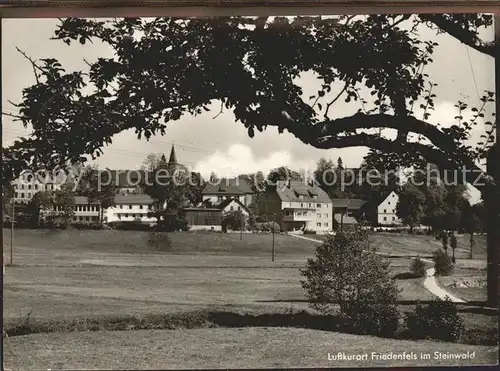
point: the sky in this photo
(219, 144)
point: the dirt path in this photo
(430, 282)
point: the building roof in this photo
(83, 200)
(345, 220)
(290, 192)
(133, 199)
(202, 209)
(233, 186)
(350, 203)
(228, 201)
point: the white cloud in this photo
(239, 158)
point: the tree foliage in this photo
(410, 206)
(94, 184)
(346, 271)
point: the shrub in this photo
(347, 271)
(160, 241)
(309, 231)
(417, 267)
(268, 227)
(438, 320)
(442, 263)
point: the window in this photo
(318, 215)
(28, 195)
(121, 206)
(239, 207)
(29, 186)
(318, 205)
(219, 198)
(140, 207)
(389, 203)
(22, 186)
(22, 195)
(15, 186)
(325, 215)
(310, 205)
(393, 218)
(385, 211)
(318, 224)
(126, 216)
(301, 205)
(385, 218)
(325, 224)
(17, 195)
(231, 208)
(130, 207)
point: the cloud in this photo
(239, 159)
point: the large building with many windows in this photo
(28, 184)
(298, 205)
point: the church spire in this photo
(172, 159)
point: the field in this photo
(63, 280)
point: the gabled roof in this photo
(233, 186)
(345, 220)
(133, 199)
(374, 202)
(83, 200)
(349, 203)
(290, 192)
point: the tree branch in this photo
(33, 64)
(463, 35)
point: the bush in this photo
(347, 271)
(438, 320)
(417, 267)
(268, 227)
(442, 263)
(160, 241)
(309, 231)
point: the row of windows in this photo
(304, 213)
(392, 211)
(79, 208)
(85, 218)
(393, 218)
(131, 215)
(141, 207)
(318, 224)
(48, 186)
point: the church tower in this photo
(172, 160)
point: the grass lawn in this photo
(219, 348)
(66, 275)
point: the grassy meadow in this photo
(62, 281)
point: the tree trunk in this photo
(471, 241)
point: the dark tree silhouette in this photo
(164, 68)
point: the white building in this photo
(28, 184)
(86, 211)
(298, 205)
(223, 189)
(386, 210)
